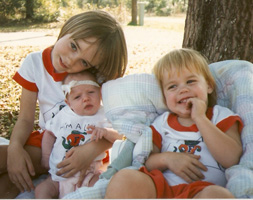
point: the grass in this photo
(9, 90)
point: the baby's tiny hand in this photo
(97, 133)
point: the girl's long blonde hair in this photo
(189, 59)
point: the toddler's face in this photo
(179, 87)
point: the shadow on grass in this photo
(24, 25)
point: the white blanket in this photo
(234, 80)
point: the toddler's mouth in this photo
(183, 100)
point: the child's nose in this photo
(71, 60)
(184, 89)
(85, 98)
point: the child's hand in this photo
(198, 108)
(20, 168)
(81, 157)
(185, 165)
(73, 162)
(97, 133)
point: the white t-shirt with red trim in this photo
(37, 74)
(70, 131)
(170, 135)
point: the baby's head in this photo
(176, 61)
(82, 93)
(109, 39)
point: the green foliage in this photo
(47, 11)
(166, 7)
(8, 8)
(54, 10)
(34, 10)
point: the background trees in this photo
(221, 30)
(48, 11)
(33, 10)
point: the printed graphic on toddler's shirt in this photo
(190, 147)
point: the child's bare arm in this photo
(226, 148)
(112, 135)
(108, 133)
(19, 163)
(48, 141)
(187, 166)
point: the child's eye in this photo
(191, 81)
(77, 97)
(84, 63)
(73, 46)
(172, 87)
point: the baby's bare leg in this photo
(48, 189)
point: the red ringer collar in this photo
(173, 122)
(47, 61)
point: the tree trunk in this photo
(29, 9)
(134, 13)
(220, 29)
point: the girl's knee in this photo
(214, 191)
(126, 184)
(119, 180)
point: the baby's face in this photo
(84, 99)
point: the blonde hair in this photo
(189, 59)
(112, 49)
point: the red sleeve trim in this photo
(157, 138)
(24, 83)
(225, 124)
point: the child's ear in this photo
(209, 89)
(67, 102)
(101, 92)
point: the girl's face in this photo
(84, 99)
(179, 87)
(73, 56)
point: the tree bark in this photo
(134, 13)
(29, 9)
(220, 29)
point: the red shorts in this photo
(35, 139)
(181, 191)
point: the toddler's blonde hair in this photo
(181, 59)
